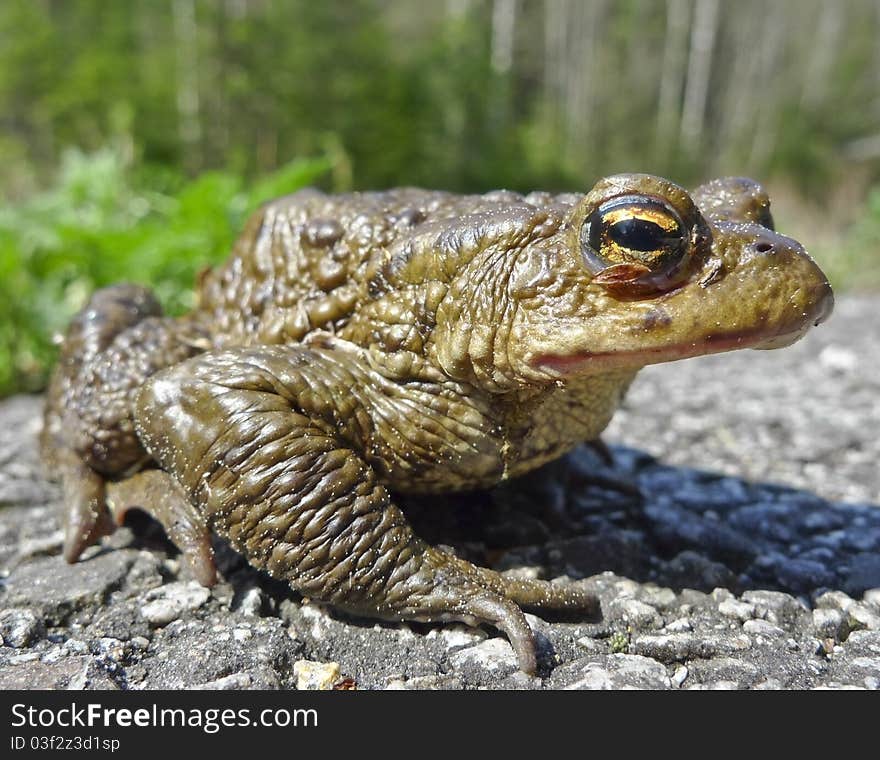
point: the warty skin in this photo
(357, 346)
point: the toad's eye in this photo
(634, 230)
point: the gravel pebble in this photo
(250, 602)
(679, 676)
(170, 601)
(762, 628)
(319, 676)
(634, 613)
(830, 623)
(20, 628)
(872, 598)
(619, 671)
(741, 611)
(492, 655)
(680, 625)
(864, 617)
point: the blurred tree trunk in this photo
(501, 61)
(672, 76)
(693, 112)
(821, 60)
(186, 41)
(774, 84)
(555, 19)
(580, 79)
(738, 106)
(503, 26)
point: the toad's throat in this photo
(591, 362)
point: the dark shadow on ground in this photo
(691, 528)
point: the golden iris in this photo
(634, 229)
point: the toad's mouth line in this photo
(590, 362)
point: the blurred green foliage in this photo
(104, 223)
(855, 262)
(135, 136)
(458, 95)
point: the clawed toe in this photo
(504, 615)
(475, 595)
(86, 517)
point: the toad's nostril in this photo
(763, 246)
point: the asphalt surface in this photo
(751, 560)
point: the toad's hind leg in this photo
(111, 347)
(267, 441)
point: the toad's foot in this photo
(256, 441)
(158, 494)
(113, 344)
(85, 516)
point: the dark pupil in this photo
(639, 235)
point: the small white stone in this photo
(251, 602)
(140, 642)
(838, 359)
(636, 613)
(232, 682)
(659, 597)
(626, 587)
(678, 678)
(770, 684)
(741, 611)
(864, 616)
(681, 625)
(829, 622)
(492, 654)
(456, 636)
(834, 600)
(18, 659)
(622, 671)
(871, 664)
(591, 645)
(762, 628)
(169, 602)
(872, 597)
(315, 676)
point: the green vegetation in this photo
(856, 262)
(103, 223)
(136, 136)
(460, 95)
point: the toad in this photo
(359, 347)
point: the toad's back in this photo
(304, 261)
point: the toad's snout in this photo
(803, 290)
(824, 304)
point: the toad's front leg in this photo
(273, 445)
